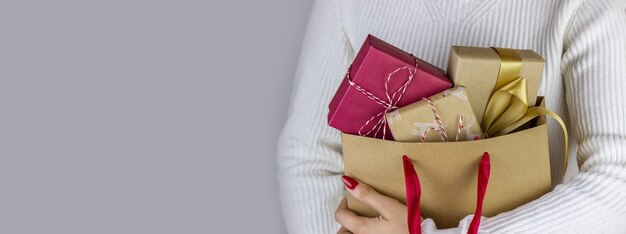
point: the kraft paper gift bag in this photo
(520, 172)
(501, 86)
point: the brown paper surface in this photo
(477, 68)
(409, 123)
(520, 172)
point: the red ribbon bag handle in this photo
(484, 168)
(413, 193)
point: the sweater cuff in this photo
(429, 226)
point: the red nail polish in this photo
(349, 182)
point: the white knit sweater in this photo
(584, 81)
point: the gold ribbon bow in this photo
(507, 108)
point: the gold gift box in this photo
(477, 69)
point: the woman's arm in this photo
(594, 72)
(309, 152)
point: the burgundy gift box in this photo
(381, 79)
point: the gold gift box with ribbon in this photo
(502, 85)
(478, 70)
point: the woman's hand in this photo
(393, 214)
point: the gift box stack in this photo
(475, 137)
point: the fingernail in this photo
(349, 182)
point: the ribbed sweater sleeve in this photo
(309, 152)
(594, 69)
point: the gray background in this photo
(144, 116)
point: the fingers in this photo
(348, 219)
(386, 206)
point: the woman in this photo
(584, 81)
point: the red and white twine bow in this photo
(440, 128)
(390, 104)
